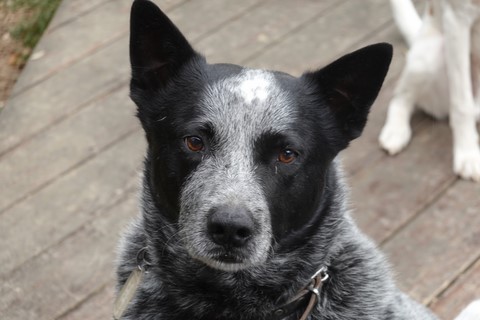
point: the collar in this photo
(305, 299)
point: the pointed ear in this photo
(350, 85)
(157, 48)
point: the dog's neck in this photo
(306, 299)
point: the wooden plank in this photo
(97, 307)
(70, 10)
(325, 38)
(97, 29)
(464, 290)
(50, 215)
(64, 146)
(388, 193)
(430, 252)
(252, 32)
(61, 277)
(61, 95)
(197, 19)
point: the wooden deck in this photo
(71, 149)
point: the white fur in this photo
(407, 19)
(439, 76)
(255, 86)
(471, 312)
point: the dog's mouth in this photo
(229, 264)
(228, 258)
(226, 261)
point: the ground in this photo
(22, 23)
(10, 50)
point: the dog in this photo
(243, 204)
(441, 76)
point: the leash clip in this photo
(322, 272)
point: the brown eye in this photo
(287, 156)
(194, 143)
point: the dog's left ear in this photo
(350, 85)
(157, 48)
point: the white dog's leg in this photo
(466, 151)
(406, 18)
(423, 63)
(396, 132)
(471, 312)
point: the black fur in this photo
(309, 222)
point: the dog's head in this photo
(239, 158)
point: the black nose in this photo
(230, 226)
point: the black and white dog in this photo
(243, 207)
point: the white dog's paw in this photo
(394, 137)
(467, 164)
(471, 312)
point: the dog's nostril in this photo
(243, 233)
(217, 232)
(230, 226)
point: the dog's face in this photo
(239, 157)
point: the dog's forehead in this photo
(249, 100)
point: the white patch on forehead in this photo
(248, 103)
(255, 85)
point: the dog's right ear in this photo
(157, 48)
(350, 85)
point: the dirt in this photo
(11, 50)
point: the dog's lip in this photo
(228, 258)
(227, 255)
(219, 256)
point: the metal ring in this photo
(325, 277)
(142, 261)
(322, 270)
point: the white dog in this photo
(441, 76)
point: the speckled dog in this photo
(243, 211)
